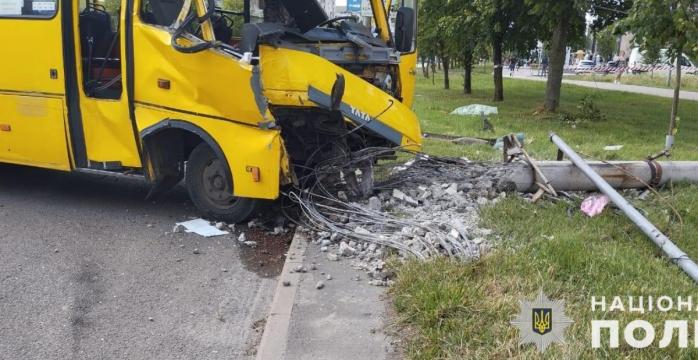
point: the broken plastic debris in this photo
(594, 205)
(201, 227)
(613, 147)
(475, 109)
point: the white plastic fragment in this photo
(201, 227)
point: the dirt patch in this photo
(267, 258)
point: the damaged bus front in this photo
(335, 85)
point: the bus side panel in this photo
(244, 147)
(32, 93)
(33, 132)
(31, 59)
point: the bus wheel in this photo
(211, 190)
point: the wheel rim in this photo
(216, 186)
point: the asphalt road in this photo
(90, 270)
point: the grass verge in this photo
(462, 311)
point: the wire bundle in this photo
(323, 210)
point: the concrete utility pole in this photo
(565, 176)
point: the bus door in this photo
(109, 135)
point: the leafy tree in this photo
(112, 6)
(606, 43)
(510, 26)
(652, 54)
(432, 35)
(464, 29)
(562, 21)
(605, 13)
(608, 12)
(673, 25)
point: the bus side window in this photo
(28, 8)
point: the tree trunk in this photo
(433, 71)
(497, 44)
(675, 103)
(425, 68)
(468, 76)
(447, 64)
(556, 66)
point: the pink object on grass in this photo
(594, 205)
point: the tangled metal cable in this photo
(323, 209)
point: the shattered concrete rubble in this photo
(432, 211)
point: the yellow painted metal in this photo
(206, 27)
(31, 94)
(408, 77)
(35, 134)
(209, 82)
(186, 7)
(242, 145)
(381, 19)
(30, 49)
(209, 89)
(108, 131)
(106, 123)
(290, 88)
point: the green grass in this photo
(462, 311)
(638, 122)
(659, 79)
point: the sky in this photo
(341, 2)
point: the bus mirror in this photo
(405, 26)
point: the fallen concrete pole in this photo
(565, 176)
(675, 254)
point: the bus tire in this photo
(211, 190)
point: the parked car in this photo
(585, 66)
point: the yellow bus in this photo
(232, 97)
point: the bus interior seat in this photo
(100, 52)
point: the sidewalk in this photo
(345, 319)
(646, 90)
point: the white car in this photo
(585, 66)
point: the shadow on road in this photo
(124, 192)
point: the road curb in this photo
(275, 335)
